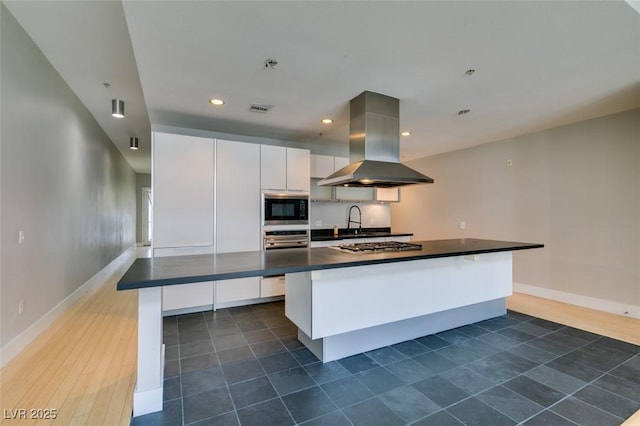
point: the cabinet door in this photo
(340, 162)
(298, 169)
(354, 193)
(273, 167)
(238, 289)
(272, 286)
(186, 296)
(321, 166)
(237, 212)
(237, 196)
(183, 190)
(388, 194)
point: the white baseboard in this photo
(609, 306)
(116, 268)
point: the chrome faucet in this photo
(359, 221)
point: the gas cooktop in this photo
(383, 246)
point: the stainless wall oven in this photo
(285, 209)
(284, 239)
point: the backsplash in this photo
(328, 214)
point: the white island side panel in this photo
(344, 300)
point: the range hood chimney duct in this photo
(374, 146)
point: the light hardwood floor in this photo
(84, 366)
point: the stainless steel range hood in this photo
(374, 146)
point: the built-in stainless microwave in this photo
(285, 209)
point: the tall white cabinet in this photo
(206, 199)
(237, 213)
(183, 209)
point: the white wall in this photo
(62, 182)
(574, 188)
(327, 214)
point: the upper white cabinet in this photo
(298, 169)
(354, 193)
(284, 169)
(340, 162)
(273, 167)
(322, 166)
(183, 190)
(391, 195)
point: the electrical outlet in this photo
(20, 307)
(20, 236)
(463, 225)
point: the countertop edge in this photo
(356, 261)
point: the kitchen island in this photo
(342, 303)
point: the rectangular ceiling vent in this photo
(260, 108)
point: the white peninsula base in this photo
(346, 311)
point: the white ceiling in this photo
(538, 65)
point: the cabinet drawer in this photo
(187, 296)
(237, 289)
(272, 286)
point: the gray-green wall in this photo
(62, 182)
(574, 188)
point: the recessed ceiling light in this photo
(464, 111)
(216, 102)
(327, 121)
(406, 133)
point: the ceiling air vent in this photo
(260, 108)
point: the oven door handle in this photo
(270, 244)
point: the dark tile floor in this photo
(245, 366)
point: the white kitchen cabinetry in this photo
(284, 169)
(427, 296)
(273, 167)
(237, 213)
(298, 169)
(322, 166)
(272, 286)
(340, 162)
(185, 298)
(183, 194)
(390, 195)
(354, 194)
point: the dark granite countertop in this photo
(161, 271)
(346, 234)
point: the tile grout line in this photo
(384, 366)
